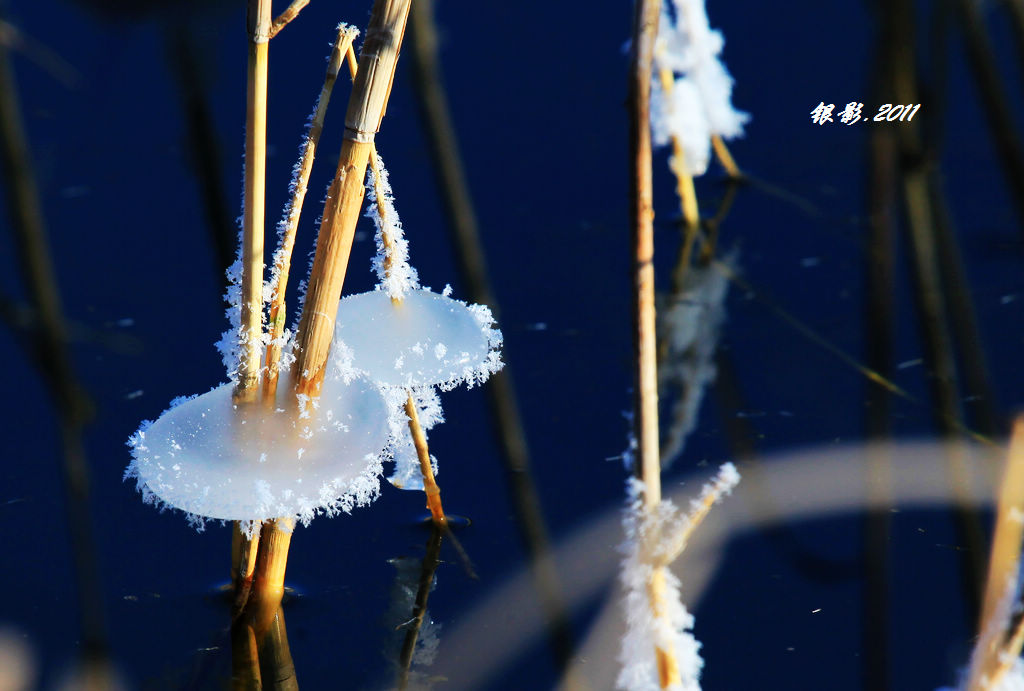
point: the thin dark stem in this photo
(49, 349)
(472, 264)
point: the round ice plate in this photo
(426, 339)
(210, 458)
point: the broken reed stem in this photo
(648, 464)
(290, 13)
(272, 558)
(243, 563)
(341, 212)
(283, 255)
(258, 20)
(430, 487)
(997, 645)
(684, 181)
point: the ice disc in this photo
(427, 339)
(210, 458)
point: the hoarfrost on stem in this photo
(394, 273)
(652, 541)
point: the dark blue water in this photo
(538, 99)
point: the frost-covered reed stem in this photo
(998, 646)
(290, 224)
(648, 464)
(258, 21)
(419, 438)
(366, 108)
(684, 181)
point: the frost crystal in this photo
(653, 541)
(701, 89)
(644, 632)
(394, 274)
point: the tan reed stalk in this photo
(366, 108)
(290, 13)
(272, 558)
(243, 563)
(684, 181)
(725, 158)
(430, 487)
(648, 464)
(997, 646)
(258, 20)
(283, 256)
(253, 214)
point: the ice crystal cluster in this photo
(299, 457)
(653, 540)
(699, 101)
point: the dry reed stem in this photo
(684, 181)
(341, 212)
(272, 558)
(243, 563)
(694, 519)
(994, 654)
(283, 256)
(648, 468)
(255, 202)
(725, 157)
(430, 487)
(253, 216)
(290, 13)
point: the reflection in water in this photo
(260, 655)
(408, 618)
(814, 484)
(690, 320)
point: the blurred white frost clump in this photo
(699, 102)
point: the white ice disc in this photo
(425, 340)
(209, 458)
